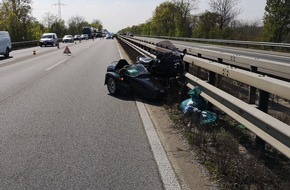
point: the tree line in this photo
(16, 18)
(175, 18)
(171, 18)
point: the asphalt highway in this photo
(60, 129)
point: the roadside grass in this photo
(227, 150)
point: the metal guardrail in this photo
(266, 127)
(219, 41)
(277, 69)
(26, 44)
(274, 86)
(232, 42)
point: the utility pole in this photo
(59, 4)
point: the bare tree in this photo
(226, 9)
(186, 5)
(48, 19)
(248, 30)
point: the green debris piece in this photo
(241, 126)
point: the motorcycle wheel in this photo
(112, 86)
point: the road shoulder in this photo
(191, 174)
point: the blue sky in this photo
(118, 14)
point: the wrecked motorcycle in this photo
(149, 77)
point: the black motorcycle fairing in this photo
(165, 45)
(168, 63)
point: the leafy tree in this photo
(35, 30)
(226, 9)
(55, 25)
(164, 19)
(85, 23)
(207, 25)
(146, 28)
(16, 18)
(184, 8)
(75, 25)
(277, 21)
(3, 17)
(59, 28)
(97, 24)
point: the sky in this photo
(118, 14)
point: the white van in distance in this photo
(5, 44)
(48, 39)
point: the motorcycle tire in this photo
(112, 86)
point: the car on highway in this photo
(68, 38)
(77, 37)
(109, 36)
(130, 34)
(48, 39)
(5, 44)
(84, 37)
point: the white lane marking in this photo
(166, 172)
(55, 65)
(119, 50)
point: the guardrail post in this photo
(212, 81)
(218, 77)
(186, 67)
(252, 90)
(263, 106)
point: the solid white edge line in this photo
(121, 56)
(167, 174)
(55, 65)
